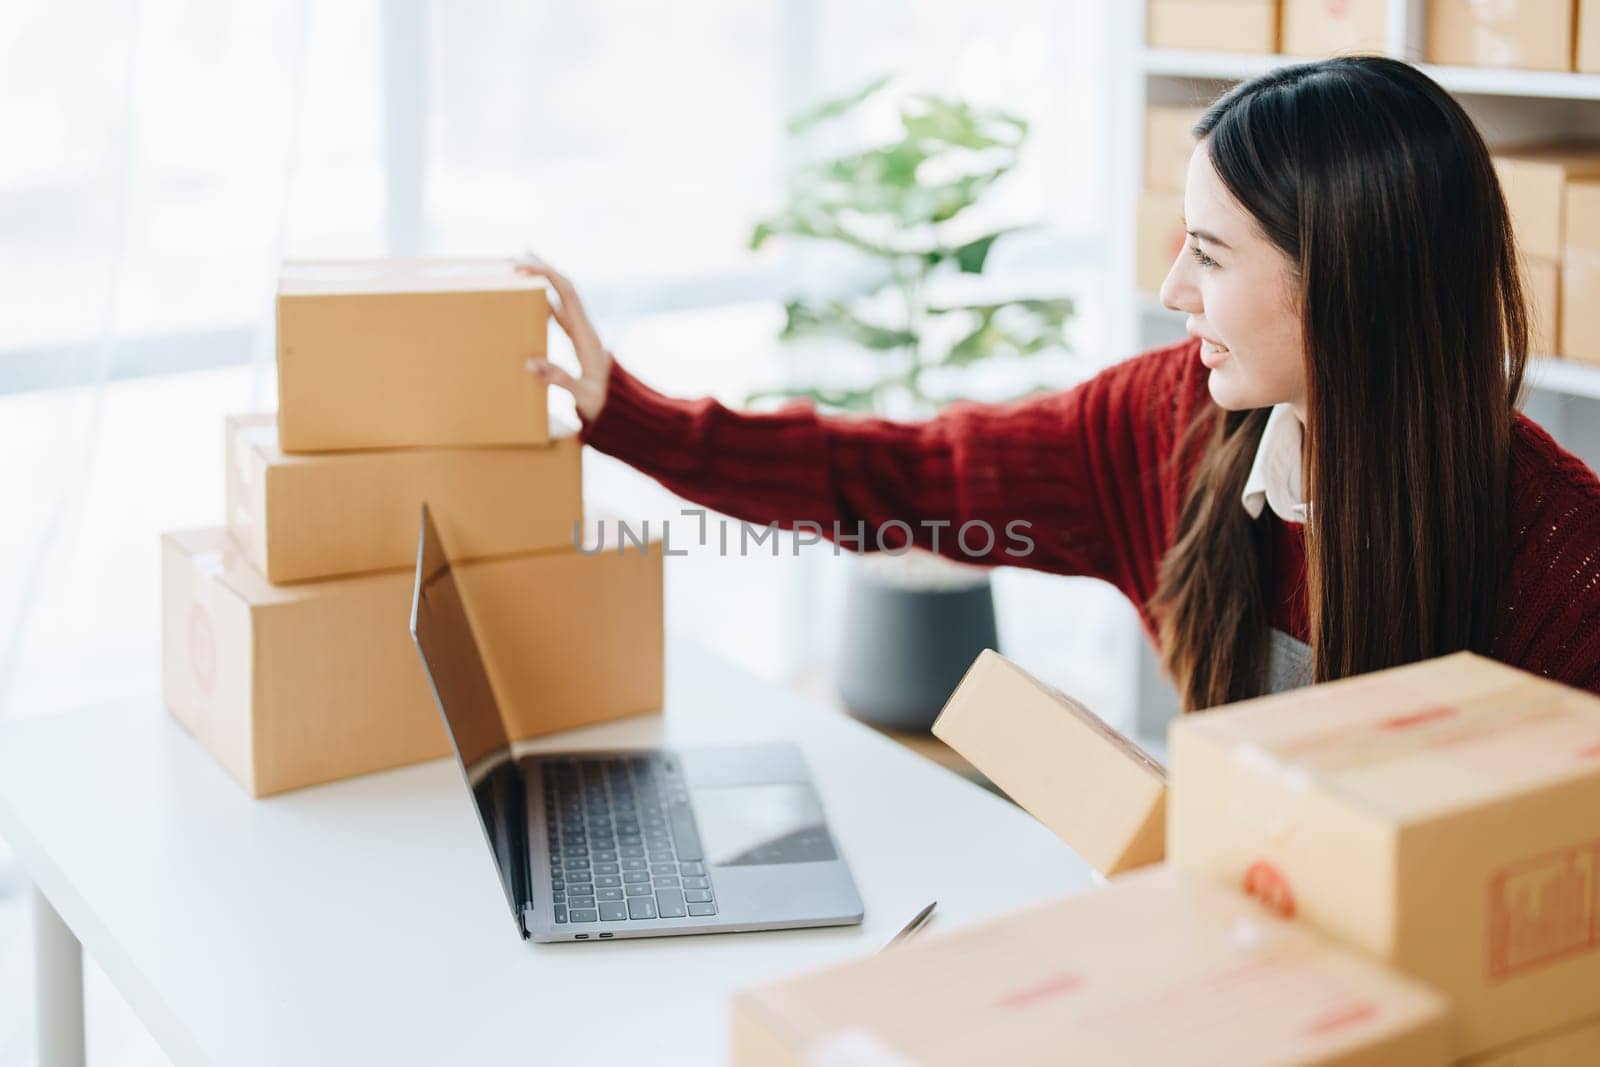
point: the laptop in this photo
(613, 843)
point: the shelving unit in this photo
(1509, 106)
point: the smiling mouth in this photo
(1211, 354)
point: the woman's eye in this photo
(1201, 258)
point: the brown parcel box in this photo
(1160, 239)
(1543, 280)
(1522, 34)
(306, 516)
(1534, 180)
(1155, 969)
(406, 352)
(1168, 145)
(1588, 60)
(1328, 27)
(1580, 274)
(1572, 1046)
(1213, 25)
(1444, 816)
(1095, 789)
(293, 685)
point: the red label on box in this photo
(1544, 910)
(1267, 884)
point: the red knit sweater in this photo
(1087, 469)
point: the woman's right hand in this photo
(588, 389)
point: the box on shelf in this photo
(1543, 280)
(1517, 34)
(1167, 146)
(1122, 975)
(292, 685)
(1443, 816)
(1161, 238)
(1572, 1046)
(1588, 49)
(398, 353)
(299, 516)
(1580, 273)
(1534, 180)
(1094, 788)
(1329, 27)
(1213, 25)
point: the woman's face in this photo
(1239, 291)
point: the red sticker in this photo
(1339, 1018)
(1064, 983)
(1267, 884)
(1544, 909)
(1416, 718)
(202, 650)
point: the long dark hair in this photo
(1378, 188)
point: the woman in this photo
(1329, 477)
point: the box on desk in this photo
(1571, 1046)
(1213, 25)
(300, 516)
(1444, 817)
(1328, 27)
(1517, 34)
(1095, 789)
(1155, 969)
(292, 685)
(404, 352)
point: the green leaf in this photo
(836, 319)
(959, 125)
(846, 399)
(971, 257)
(833, 108)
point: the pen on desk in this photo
(917, 923)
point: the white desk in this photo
(361, 922)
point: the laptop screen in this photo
(454, 665)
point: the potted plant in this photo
(895, 218)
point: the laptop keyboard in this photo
(623, 842)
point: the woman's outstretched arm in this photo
(1072, 482)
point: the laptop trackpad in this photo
(749, 825)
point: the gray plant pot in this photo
(903, 651)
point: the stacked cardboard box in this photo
(1538, 182)
(1429, 836)
(1213, 25)
(1333, 27)
(1513, 34)
(285, 642)
(1167, 146)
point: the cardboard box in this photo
(1333, 27)
(1168, 145)
(1095, 789)
(1156, 969)
(1542, 277)
(1520, 34)
(1573, 1046)
(291, 685)
(1534, 181)
(1580, 273)
(1213, 25)
(1588, 50)
(300, 516)
(1161, 238)
(1443, 816)
(398, 353)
